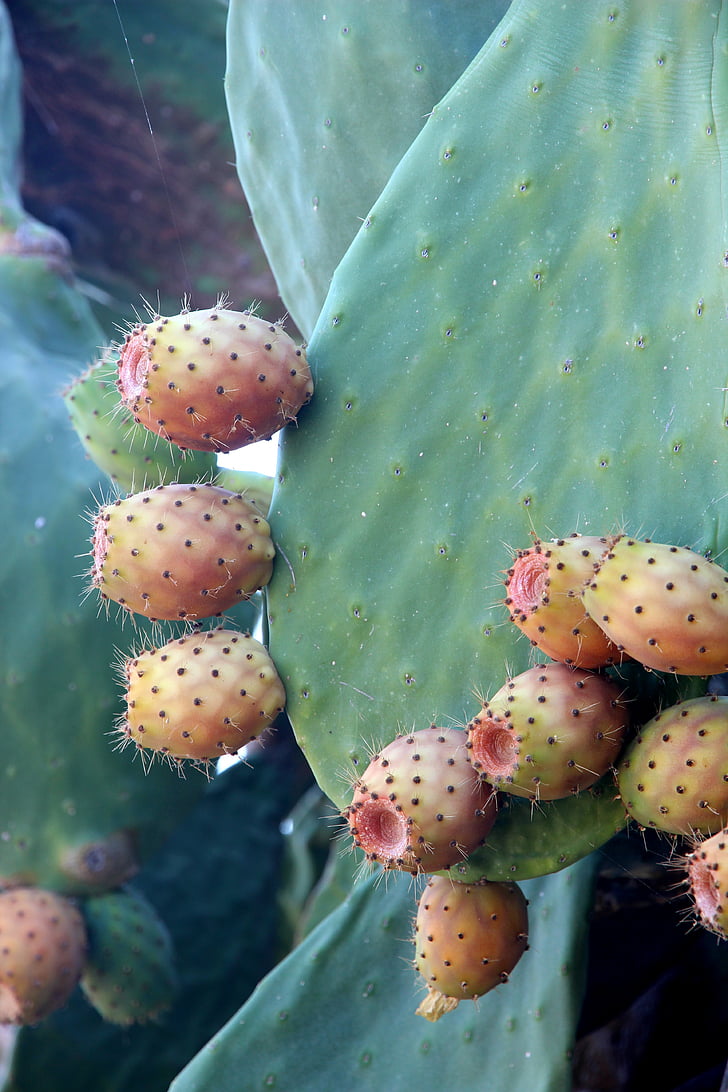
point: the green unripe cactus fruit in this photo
(255, 488)
(468, 940)
(549, 732)
(213, 380)
(129, 976)
(544, 586)
(664, 605)
(707, 876)
(42, 951)
(126, 451)
(180, 551)
(674, 774)
(419, 806)
(200, 696)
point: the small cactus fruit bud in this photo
(94, 867)
(129, 976)
(213, 380)
(180, 551)
(544, 599)
(42, 952)
(707, 874)
(665, 606)
(548, 732)
(674, 774)
(468, 939)
(201, 696)
(419, 806)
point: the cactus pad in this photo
(495, 301)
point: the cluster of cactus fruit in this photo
(185, 553)
(172, 552)
(428, 799)
(204, 381)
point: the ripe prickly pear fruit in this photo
(544, 587)
(212, 380)
(129, 976)
(707, 875)
(548, 732)
(665, 606)
(419, 806)
(468, 939)
(674, 774)
(200, 696)
(42, 952)
(180, 551)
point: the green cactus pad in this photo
(532, 840)
(522, 337)
(324, 1019)
(335, 134)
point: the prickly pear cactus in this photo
(206, 872)
(74, 815)
(63, 786)
(525, 336)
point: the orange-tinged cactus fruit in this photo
(468, 939)
(42, 951)
(213, 380)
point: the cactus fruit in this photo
(548, 732)
(544, 587)
(707, 878)
(180, 551)
(419, 806)
(674, 774)
(212, 380)
(123, 449)
(129, 976)
(42, 952)
(200, 696)
(468, 939)
(664, 605)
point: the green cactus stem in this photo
(343, 984)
